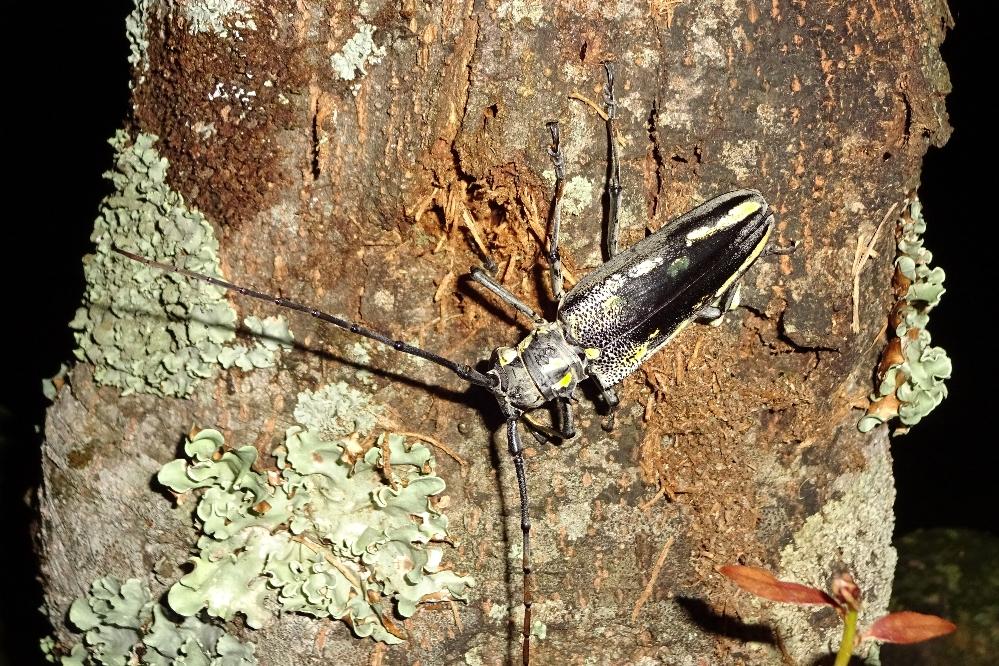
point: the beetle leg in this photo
(517, 451)
(547, 434)
(613, 166)
(555, 214)
(709, 314)
(490, 283)
(544, 434)
(610, 397)
(566, 422)
(712, 314)
(773, 248)
(540, 437)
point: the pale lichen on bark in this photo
(350, 195)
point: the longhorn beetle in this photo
(607, 325)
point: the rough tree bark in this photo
(338, 150)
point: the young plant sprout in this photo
(902, 627)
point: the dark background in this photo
(70, 93)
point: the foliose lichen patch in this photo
(135, 32)
(121, 625)
(217, 16)
(336, 410)
(145, 330)
(912, 373)
(339, 530)
(358, 52)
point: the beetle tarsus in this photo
(773, 248)
(612, 402)
(566, 422)
(555, 214)
(613, 167)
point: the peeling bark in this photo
(354, 195)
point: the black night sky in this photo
(70, 93)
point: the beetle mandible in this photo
(607, 325)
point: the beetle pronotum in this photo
(606, 326)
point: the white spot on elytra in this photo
(644, 267)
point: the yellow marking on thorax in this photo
(507, 356)
(553, 365)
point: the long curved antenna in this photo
(517, 451)
(464, 371)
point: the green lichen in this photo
(912, 372)
(539, 630)
(217, 16)
(336, 410)
(145, 330)
(51, 385)
(336, 531)
(358, 52)
(135, 32)
(122, 625)
(270, 334)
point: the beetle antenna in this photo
(517, 451)
(464, 371)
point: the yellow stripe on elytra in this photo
(739, 213)
(664, 342)
(638, 353)
(747, 263)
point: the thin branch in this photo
(328, 556)
(589, 102)
(647, 592)
(859, 260)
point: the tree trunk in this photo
(344, 155)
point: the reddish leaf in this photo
(908, 627)
(764, 584)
